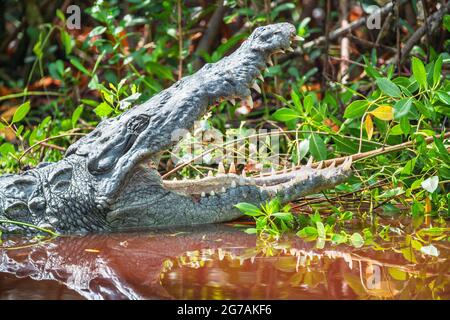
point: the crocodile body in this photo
(107, 180)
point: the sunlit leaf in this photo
(419, 73)
(430, 250)
(368, 123)
(21, 112)
(383, 113)
(431, 184)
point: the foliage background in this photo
(332, 97)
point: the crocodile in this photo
(108, 180)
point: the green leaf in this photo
(103, 110)
(21, 112)
(419, 73)
(357, 240)
(444, 97)
(285, 114)
(308, 232)
(405, 125)
(76, 115)
(437, 70)
(402, 108)
(320, 230)
(7, 148)
(303, 149)
(388, 87)
(249, 209)
(97, 31)
(338, 238)
(317, 147)
(431, 184)
(356, 109)
(286, 216)
(66, 41)
(77, 64)
(250, 230)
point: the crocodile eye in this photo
(138, 124)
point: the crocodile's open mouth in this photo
(307, 175)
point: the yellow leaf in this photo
(369, 126)
(384, 113)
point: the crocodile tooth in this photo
(297, 38)
(260, 77)
(256, 87)
(320, 165)
(310, 161)
(233, 184)
(233, 101)
(261, 174)
(203, 195)
(232, 168)
(249, 101)
(264, 185)
(244, 174)
(224, 190)
(333, 164)
(290, 49)
(210, 173)
(273, 171)
(175, 179)
(212, 193)
(347, 163)
(221, 168)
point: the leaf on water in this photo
(431, 184)
(357, 240)
(397, 274)
(385, 113)
(368, 123)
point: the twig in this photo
(180, 41)
(433, 22)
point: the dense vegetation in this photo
(357, 92)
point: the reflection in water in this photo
(213, 262)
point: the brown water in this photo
(214, 262)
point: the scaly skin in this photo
(107, 180)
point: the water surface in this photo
(214, 262)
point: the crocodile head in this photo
(108, 179)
